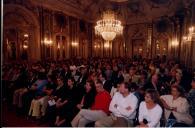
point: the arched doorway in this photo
(161, 44)
(20, 34)
(61, 46)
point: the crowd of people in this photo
(102, 92)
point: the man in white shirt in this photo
(123, 107)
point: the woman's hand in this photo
(79, 106)
(128, 108)
(165, 104)
(59, 100)
(174, 109)
(58, 105)
(66, 101)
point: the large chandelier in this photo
(108, 27)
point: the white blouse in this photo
(153, 115)
(182, 113)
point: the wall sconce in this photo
(164, 49)
(26, 35)
(74, 44)
(96, 46)
(47, 42)
(106, 45)
(191, 30)
(185, 38)
(157, 46)
(25, 46)
(124, 45)
(140, 50)
(190, 35)
(189, 38)
(175, 43)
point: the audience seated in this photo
(66, 103)
(98, 110)
(68, 96)
(154, 83)
(39, 104)
(36, 91)
(123, 107)
(106, 83)
(57, 94)
(88, 98)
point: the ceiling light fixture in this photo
(108, 27)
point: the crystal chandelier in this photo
(108, 27)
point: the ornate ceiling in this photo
(129, 11)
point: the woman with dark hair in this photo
(98, 110)
(154, 83)
(66, 103)
(89, 97)
(176, 107)
(58, 93)
(150, 111)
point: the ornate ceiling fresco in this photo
(129, 11)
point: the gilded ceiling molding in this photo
(132, 11)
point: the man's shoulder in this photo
(105, 94)
(142, 103)
(132, 96)
(117, 94)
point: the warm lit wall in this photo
(54, 34)
(18, 21)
